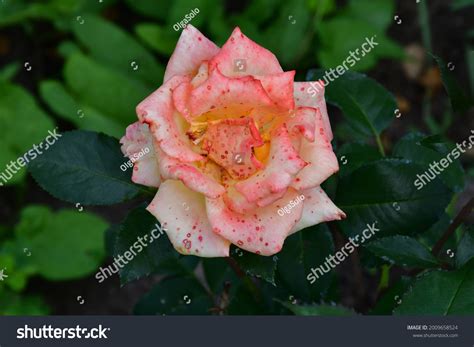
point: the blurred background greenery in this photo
(86, 64)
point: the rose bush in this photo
(233, 139)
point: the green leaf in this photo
(384, 192)
(460, 101)
(426, 150)
(391, 298)
(368, 113)
(465, 251)
(441, 293)
(294, 20)
(318, 310)
(175, 296)
(23, 125)
(218, 272)
(381, 11)
(14, 257)
(12, 304)
(141, 235)
(303, 251)
(353, 155)
(347, 32)
(256, 265)
(180, 12)
(82, 116)
(115, 48)
(107, 91)
(403, 251)
(157, 9)
(436, 231)
(159, 38)
(63, 245)
(84, 167)
(460, 4)
(9, 71)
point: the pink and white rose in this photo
(233, 140)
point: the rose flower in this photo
(233, 140)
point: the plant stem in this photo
(245, 279)
(463, 214)
(380, 145)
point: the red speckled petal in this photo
(193, 177)
(256, 59)
(220, 92)
(280, 88)
(229, 143)
(261, 231)
(158, 111)
(182, 213)
(191, 50)
(137, 145)
(282, 166)
(321, 158)
(303, 121)
(313, 96)
(318, 208)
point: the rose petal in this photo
(262, 231)
(321, 158)
(253, 58)
(237, 202)
(318, 208)
(280, 88)
(313, 96)
(157, 110)
(137, 143)
(282, 166)
(230, 142)
(304, 121)
(193, 177)
(182, 214)
(220, 92)
(191, 50)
